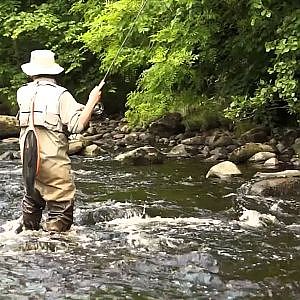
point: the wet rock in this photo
(167, 126)
(125, 129)
(141, 156)
(193, 141)
(219, 152)
(223, 141)
(118, 136)
(224, 169)
(261, 156)
(275, 187)
(146, 138)
(280, 147)
(253, 218)
(75, 147)
(9, 127)
(180, 151)
(296, 146)
(283, 174)
(94, 137)
(241, 154)
(91, 151)
(10, 155)
(131, 138)
(12, 140)
(295, 162)
(255, 135)
(271, 162)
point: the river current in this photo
(152, 232)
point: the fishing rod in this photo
(99, 107)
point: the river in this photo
(152, 232)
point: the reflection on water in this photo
(159, 232)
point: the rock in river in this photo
(224, 169)
(146, 155)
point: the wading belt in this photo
(31, 157)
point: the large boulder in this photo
(276, 187)
(168, 125)
(9, 127)
(241, 154)
(146, 155)
(224, 169)
(256, 135)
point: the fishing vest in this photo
(46, 96)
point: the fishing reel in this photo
(97, 112)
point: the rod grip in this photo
(101, 84)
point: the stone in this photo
(125, 129)
(94, 137)
(255, 135)
(9, 127)
(296, 147)
(12, 140)
(286, 173)
(275, 187)
(223, 169)
(168, 125)
(91, 151)
(118, 136)
(180, 150)
(261, 156)
(75, 147)
(196, 140)
(10, 155)
(280, 147)
(253, 218)
(243, 153)
(146, 155)
(223, 141)
(131, 138)
(271, 162)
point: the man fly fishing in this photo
(48, 113)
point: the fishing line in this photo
(101, 84)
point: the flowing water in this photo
(158, 232)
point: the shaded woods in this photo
(209, 60)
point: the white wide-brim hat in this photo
(42, 62)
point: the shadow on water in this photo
(155, 232)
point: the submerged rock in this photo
(141, 156)
(254, 218)
(10, 155)
(224, 169)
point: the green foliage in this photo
(29, 25)
(233, 58)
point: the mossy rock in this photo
(243, 153)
